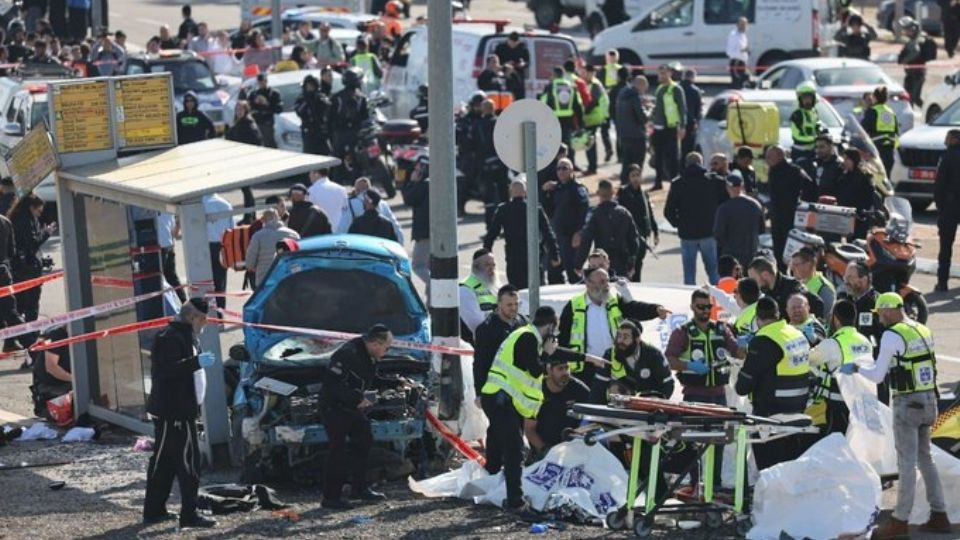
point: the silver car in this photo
(842, 82)
(712, 136)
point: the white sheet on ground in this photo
(589, 477)
(828, 482)
(870, 433)
(949, 469)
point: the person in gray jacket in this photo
(630, 118)
(262, 248)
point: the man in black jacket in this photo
(313, 108)
(630, 118)
(946, 193)
(192, 124)
(371, 222)
(781, 287)
(787, 184)
(416, 195)
(349, 390)
(305, 217)
(489, 334)
(266, 104)
(511, 218)
(825, 168)
(635, 366)
(632, 197)
(610, 227)
(694, 99)
(570, 202)
(691, 206)
(348, 111)
(179, 385)
(9, 315)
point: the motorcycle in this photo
(368, 156)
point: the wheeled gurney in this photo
(705, 426)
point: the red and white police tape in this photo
(465, 449)
(29, 284)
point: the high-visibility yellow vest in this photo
(671, 112)
(564, 95)
(485, 298)
(601, 111)
(525, 390)
(853, 345)
(710, 348)
(886, 127)
(578, 326)
(916, 369)
(365, 61)
(817, 282)
(746, 322)
(805, 134)
(793, 368)
(610, 74)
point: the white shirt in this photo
(737, 45)
(598, 329)
(214, 204)
(470, 312)
(165, 224)
(199, 382)
(220, 61)
(331, 197)
(891, 345)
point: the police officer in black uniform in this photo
(421, 113)
(313, 108)
(511, 218)
(179, 384)
(348, 111)
(349, 390)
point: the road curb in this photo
(924, 265)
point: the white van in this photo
(472, 42)
(694, 33)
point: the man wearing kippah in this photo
(179, 384)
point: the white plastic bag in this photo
(825, 493)
(871, 423)
(79, 434)
(473, 423)
(38, 432)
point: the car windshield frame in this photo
(849, 71)
(952, 110)
(172, 67)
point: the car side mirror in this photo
(14, 129)
(765, 85)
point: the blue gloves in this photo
(848, 368)
(700, 368)
(206, 359)
(744, 341)
(809, 333)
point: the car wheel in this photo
(932, 113)
(630, 58)
(770, 59)
(919, 205)
(915, 306)
(547, 13)
(594, 24)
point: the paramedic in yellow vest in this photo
(513, 394)
(596, 113)
(669, 118)
(590, 319)
(803, 266)
(804, 123)
(745, 325)
(368, 62)
(776, 376)
(907, 354)
(610, 77)
(881, 124)
(478, 296)
(561, 96)
(846, 345)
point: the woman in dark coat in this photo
(29, 235)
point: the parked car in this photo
(472, 42)
(915, 164)
(695, 32)
(190, 72)
(288, 84)
(842, 82)
(596, 15)
(925, 11)
(275, 406)
(712, 136)
(942, 95)
(291, 18)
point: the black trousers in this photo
(592, 151)
(632, 151)
(566, 131)
(496, 188)
(886, 157)
(951, 34)
(269, 137)
(176, 454)
(689, 141)
(168, 264)
(505, 443)
(666, 154)
(779, 232)
(947, 230)
(608, 146)
(913, 83)
(777, 451)
(517, 270)
(219, 273)
(350, 443)
(9, 314)
(315, 143)
(738, 73)
(28, 301)
(638, 265)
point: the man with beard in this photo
(477, 299)
(635, 366)
(560, 392)
(493, 330)
(590, 320)
(858, 285)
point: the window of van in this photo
(727, 12)
(39, 114)
(673, 14)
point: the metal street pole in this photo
(444, 297)
(533, 215)
(276, 28)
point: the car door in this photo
(782, 78)
(667, 34)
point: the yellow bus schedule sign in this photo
(144, 106)
(81, 117)
(32, 159)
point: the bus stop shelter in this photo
(110, 245)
